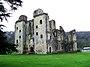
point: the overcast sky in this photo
(70, 14)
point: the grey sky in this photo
(70, 14)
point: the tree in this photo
(5, 46)
(13, 4)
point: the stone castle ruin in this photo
(40, 35)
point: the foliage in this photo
(5, 46)
(53, 60)
(13, 4)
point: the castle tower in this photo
(20, 28)
(41, 31)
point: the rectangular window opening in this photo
(40, 21)
(50, 37)
(19, 36)
(19, 30)
(17, 41)
(36, 33)
(41, 36)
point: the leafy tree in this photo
(13, 4)
(5, 46)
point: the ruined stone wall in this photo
(40, 35)
(52, 46)
(53, 41)
(31, 37)
(72, 41)
(61, 39)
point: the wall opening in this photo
(19, 30)
(31, 49)
(36, 33)
(41, 36)
(19, 36)
(49, 49)
(36, 26)
(40, 21)
(17, 41)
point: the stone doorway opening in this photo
(49, 49)
(32, 50)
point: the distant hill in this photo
(10, 36)
(83, 38)
(83, 35)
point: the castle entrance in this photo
(32, 49)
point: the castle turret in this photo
(20, 33)
(41, 29)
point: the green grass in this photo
(53, 60)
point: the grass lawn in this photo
(53, 60)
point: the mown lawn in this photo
(53, 60)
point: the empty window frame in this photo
(36, 33)
(19, 36)
(17, 41)
(40, 21)
(19, 30)
(36, 26)
(50, 37)
(41, 36)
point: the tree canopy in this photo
(5, 46)
(4, 12)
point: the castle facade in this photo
(40, 35)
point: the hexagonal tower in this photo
(41, 31)
(20, 34)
